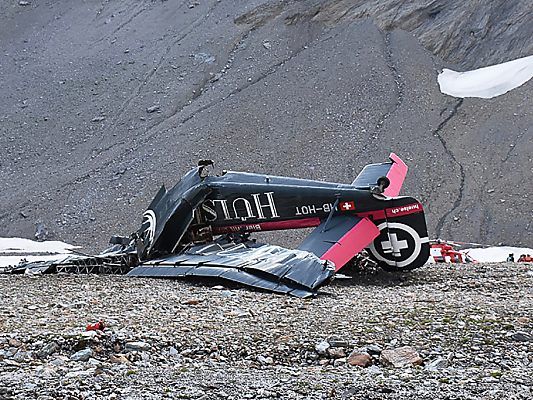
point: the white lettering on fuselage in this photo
(405, 208)
(271, 206)
(312, 209)
(248, 209)
(241, 208)
(247, 228)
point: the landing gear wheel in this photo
(383, 182)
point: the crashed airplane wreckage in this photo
(201, 227)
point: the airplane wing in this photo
(395, 170)
(340, 239)
(262, 266)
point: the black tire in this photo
(384, 182)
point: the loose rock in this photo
(82, 355)
(436, 364)
(336, 352)
(48, 350)
(154, 108)
(322, 348)
(360, 359)
(400, 357)
(137, 346)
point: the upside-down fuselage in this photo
(199, 207)
(243, 202)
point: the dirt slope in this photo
(103, 102)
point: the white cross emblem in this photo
(394, 245)
(347, 206)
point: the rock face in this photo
(401, 357)
(462, 33)
(312, 89)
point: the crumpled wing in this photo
(262, 266)
(340, 239)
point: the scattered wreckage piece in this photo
(200, 228)
(444, 251)
(117, 260)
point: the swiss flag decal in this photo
(347, 206)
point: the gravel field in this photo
(467, 330)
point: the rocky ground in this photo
(447, 332)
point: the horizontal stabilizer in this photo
(340, 239)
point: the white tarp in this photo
(487, 82)
(497, 254)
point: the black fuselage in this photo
(253, 202)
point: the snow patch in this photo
(487, 82)
(496, 254)
(13, 250)
(19, 245)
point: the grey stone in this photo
(436, 364)
(154, 108)
(80, 373)
(58, 361)
(521, 337)
(339, 362)
(373, 349)
(21, 356)
(173, 352)
(137, 346)
(48, 350)
(41, 232)
(374, 370)
(82, 355)
(400, 357)
(336, 342)
(336, 352)
(322, 348)
(265, 360)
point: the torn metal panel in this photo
(169, 216)
(262, 266)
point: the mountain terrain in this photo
(104, 101)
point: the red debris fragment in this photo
(99, 326)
